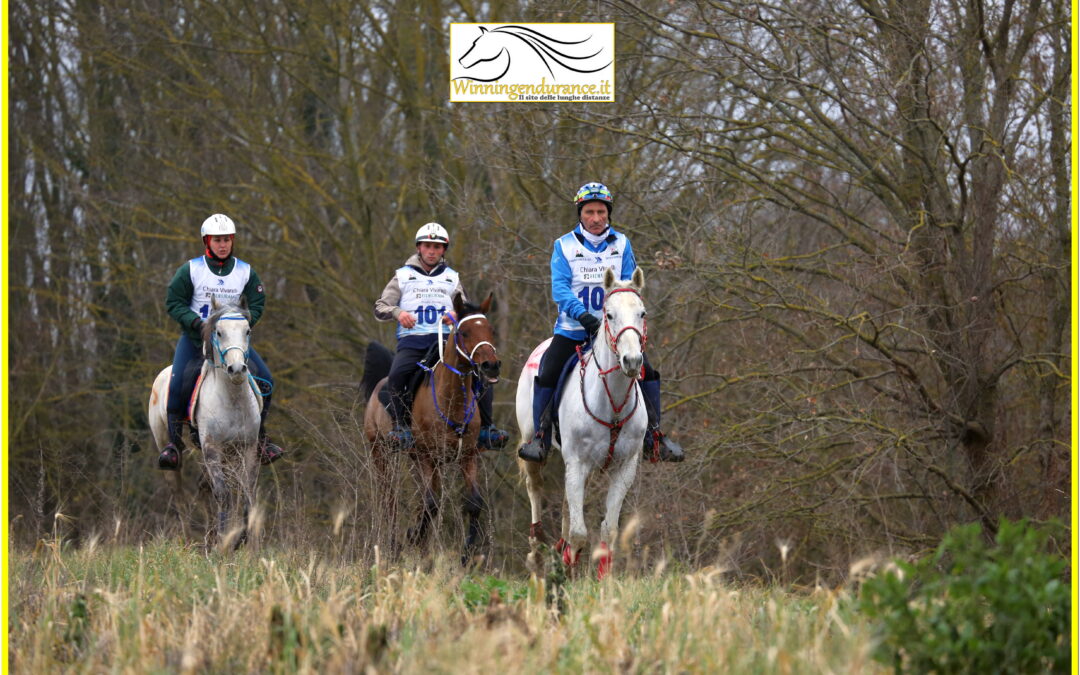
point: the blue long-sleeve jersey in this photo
(577, 272)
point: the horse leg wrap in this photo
(603, 560)
(536, 531)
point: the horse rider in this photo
(217, 273)
(425, 285)
(578, 260)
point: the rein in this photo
(470, 409)
(616, 424)
(256, 383)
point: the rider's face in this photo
(594, 217)
(430, 252)
(221, 245)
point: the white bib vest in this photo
(588, 269)
(428, 298)
(226, 289)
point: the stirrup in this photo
(535, 450)
(400, 438)
(170, 458)
(492, 438)
(269, 452)
(659, 448)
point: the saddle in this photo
(560, 386)
(431, 357)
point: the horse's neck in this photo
(446, 382)
(604, 359)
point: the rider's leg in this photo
(551, 366)
(172, 454)
(657, 445)
(268, 452)
(491, 437)
(397, 382)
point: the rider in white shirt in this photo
(419, 297)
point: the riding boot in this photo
(657, 446)
(400, 437)
(536, 449)
(172, 454)
(268, 452)
(491, 437)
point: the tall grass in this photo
(163, 607)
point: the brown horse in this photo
(445, 417)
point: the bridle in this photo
(616, 424)
(474, 370)
(245, 350)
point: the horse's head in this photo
(484, 48)
(227, 338)
(474, 338)
(624, 320)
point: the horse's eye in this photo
(643, 313)
(249, 330)
(609, 317)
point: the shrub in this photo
(973, 607)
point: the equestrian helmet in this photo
(593, 192)
(217, 225)
(434, 233)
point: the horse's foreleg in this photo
(386, 515)
(474, 504)
(429, 478)
(219, 487)
(534, 484)
(249, 473)
(577, 536)
(621, 480)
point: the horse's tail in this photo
(377, 362)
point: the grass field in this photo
(164, 607)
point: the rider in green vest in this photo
(216, 273)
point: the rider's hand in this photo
(406, 319)
(590, 323)
(449, 318)
(196, 325)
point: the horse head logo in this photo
(523, 46)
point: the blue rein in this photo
(478, 387)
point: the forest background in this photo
(854, 219)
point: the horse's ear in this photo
(459, 307)
(638, 279)
(483, 30)
(214, 303)
(486, 304)
(243, 301)
(609, 280)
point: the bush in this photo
(970, 607)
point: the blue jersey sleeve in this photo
(629, 262)
(562, 284)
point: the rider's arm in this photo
(629, 262)
(386, 307)
(256, 297)
(561, 284)
(178, 298)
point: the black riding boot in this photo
(268, 452)
(172, 454)
(491, 437)
(536, 449)
(657, 446)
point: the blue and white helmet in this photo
(593, 192)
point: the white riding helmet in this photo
(433, 232)
(218, 224)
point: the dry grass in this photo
(162, 607)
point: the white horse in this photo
(226, 415)
(602, 421)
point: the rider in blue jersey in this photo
(578, 262)
(418, 297)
